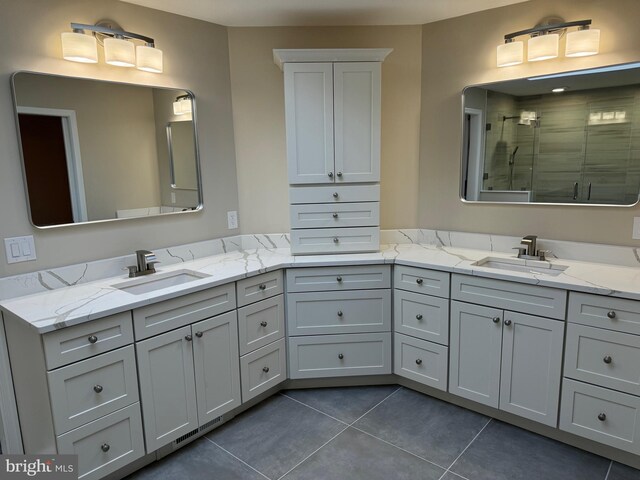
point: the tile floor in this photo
(371, 433)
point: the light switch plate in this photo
(232, 220)
(636, 228)
(20, 249)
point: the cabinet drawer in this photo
(88, 390)
(420, 280)
(335, 240)
(164, 316)
(605, 312)
(603, 357)
(421, 316)
(258, 288)
(71, 344)
(518, 297)
(261, 323)
(422, 361)
(334, 194)
(119, 433)
(599, 414)
(338, 278)
(354, 311)
(322, 215)
(340, 355)
(262, 369)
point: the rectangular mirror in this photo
(96, 151)
(568, 138)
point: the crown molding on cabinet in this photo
(282, 56)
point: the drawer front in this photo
(258, 288)
(603, 357)
(319, 279)
(334, 194)
(263, 369)
(420, 280)
(355, 311)
(71, 344)
(260, 324)
(599, 414)
(340, 355)
(421, 316)
(605, 312)
(517, 297)
(119, 433)
(168, 315)
(424, 362)
(335, 240)
(323, 215)
(88, 390)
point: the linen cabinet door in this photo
(531, 367)
(167, 387)
(475, 344)
(308, 101)
(217, 366)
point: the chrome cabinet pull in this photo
(105, 447)
(419, 316)
(92, 339)
(263, 323)
(611, 314)
(262, 286)
(589, 192)
(418, 361)
(265, 369)
(336, 239)
(495, 319)
(330, 174)
(340, 313)
(419, 281)
(335, 215)
(199, 334)
(340, 356)
(338, 279)
(188, 338)
(607, 359)
(339, 174)
(98, 388)
(335, 195)
(575, 191)
(602, 417)
(508, 322)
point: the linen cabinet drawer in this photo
(421, 316)
(260, 287)
(335, 240)
(88, 390)
(603, 357)
(322, 215)
(262, 369)
(177, 312)
(355, 311)
(517, 297)
(71, 344)
(338, 278)
(340, 355)
(261, 323)
(603, 415)
(420, 280)
(107, 444)
(422, 361)
(605, 312)
(334, 194)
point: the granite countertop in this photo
(77, 304)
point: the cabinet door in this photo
(167, 387)
(531, 367)
(308, 100)
(475, 347)
(217, 366)
(357, 121)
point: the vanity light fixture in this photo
(544, 41)
(182, 105)
(119, 49)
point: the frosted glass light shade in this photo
(582, 43)
(119, 52)
(511, 53)
(543, 47)
(78, 47)
(182, 106)
(148, 59)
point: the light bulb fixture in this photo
(119, 49)
(182, 105)
(544, 41)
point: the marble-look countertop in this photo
(80, 303)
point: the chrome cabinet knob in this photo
(419, 281)
(339, 313)
(105, 447)
(607, 359)
(495, 319)
(98, 388)
(336, 239)
(265, 369)
(199, 334)
(330, 174)
(338, 279)
(418, 361)
(335, 195)
(340, 356)
(262, 286)
(611, 314)
(419, 316)
(188, 338)
(602, 417)
(263, 323)
(508, 322)
(92, 339)
(335, 215)
(339, 174)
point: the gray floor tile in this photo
(452, 476)
(200, 459)
(354, 455)
(423, 425)
(505, 452)
(275, 435)
(622, 472)
(346, 404)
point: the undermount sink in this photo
(158, 281)
(521, 265)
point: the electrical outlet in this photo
(20, 249)
(232, 220)
(636, 228)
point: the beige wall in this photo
(258, 113)
(460, 52)
(198, 61)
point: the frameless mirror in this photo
(568, 138)
(96, 151)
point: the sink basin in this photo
(536, 267)
(158, 281)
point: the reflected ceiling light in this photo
(182, 105)
(560, 89)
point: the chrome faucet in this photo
(528, 250)
(530, 241)
(146, 261)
